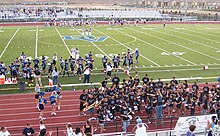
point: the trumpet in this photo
(85, 102)
(95, 104)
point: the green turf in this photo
(159, 47)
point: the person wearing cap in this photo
(140, 129)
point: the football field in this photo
(177, 50)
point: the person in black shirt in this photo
(101, 121)
(160, 83)
(206, 89)
(205, 105)
(87, 128)
(136, 80)
(91, 100)
(115, 80)
(145, 79)
(195, 87)
(105, 82)
(28, 130)
(37, 76)
(124, 114)
(217, 110)
(174, 80)
(83, 98)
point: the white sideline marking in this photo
(127, 46)
(63, 41)
(157, 46)
(9, 42)
(36, 42)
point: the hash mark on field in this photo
(215, 63)
(135, 66)
(166, 65)
(95, 67)
(188, 64)
(42, 46)
(143, 66)
(202, 64)
(174, 65)
(209, 64)
(151, 66)
(181, 64)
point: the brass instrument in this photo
(85, 102)
(95, 104)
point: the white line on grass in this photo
(175, 43)
(63, 41)
(127, 47)
(36, 42)
(159, 48)
(9, 42)
(192, 40)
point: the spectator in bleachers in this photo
(77, 132)
(4, 132)
(210, 125)
(140, 129)
(69, 130)
(28, 130)
(87, 128)
(191, 130)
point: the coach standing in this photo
(87, 72)
(54, 74)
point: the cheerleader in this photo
(42, 102)
(37, 92)
(59, 95)
(53, 98)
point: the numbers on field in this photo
(173, 53)
(99, 55)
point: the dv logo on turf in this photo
(86, 38)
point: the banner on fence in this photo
(183, 123)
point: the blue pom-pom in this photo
(218, 79)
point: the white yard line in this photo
(192, 40)
(63, 41)
(127, 47)
(175, 43)
(9, 42)
(160, 48)
(36, 42)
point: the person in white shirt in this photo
(87, 72)
(73, 53)
(54, 74)
(77, 54)
(4, 132)
(77, 132)
(109, 70)
(140, 129)
(69, 130)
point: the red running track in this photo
(18, 109)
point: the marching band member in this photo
(83, 100)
